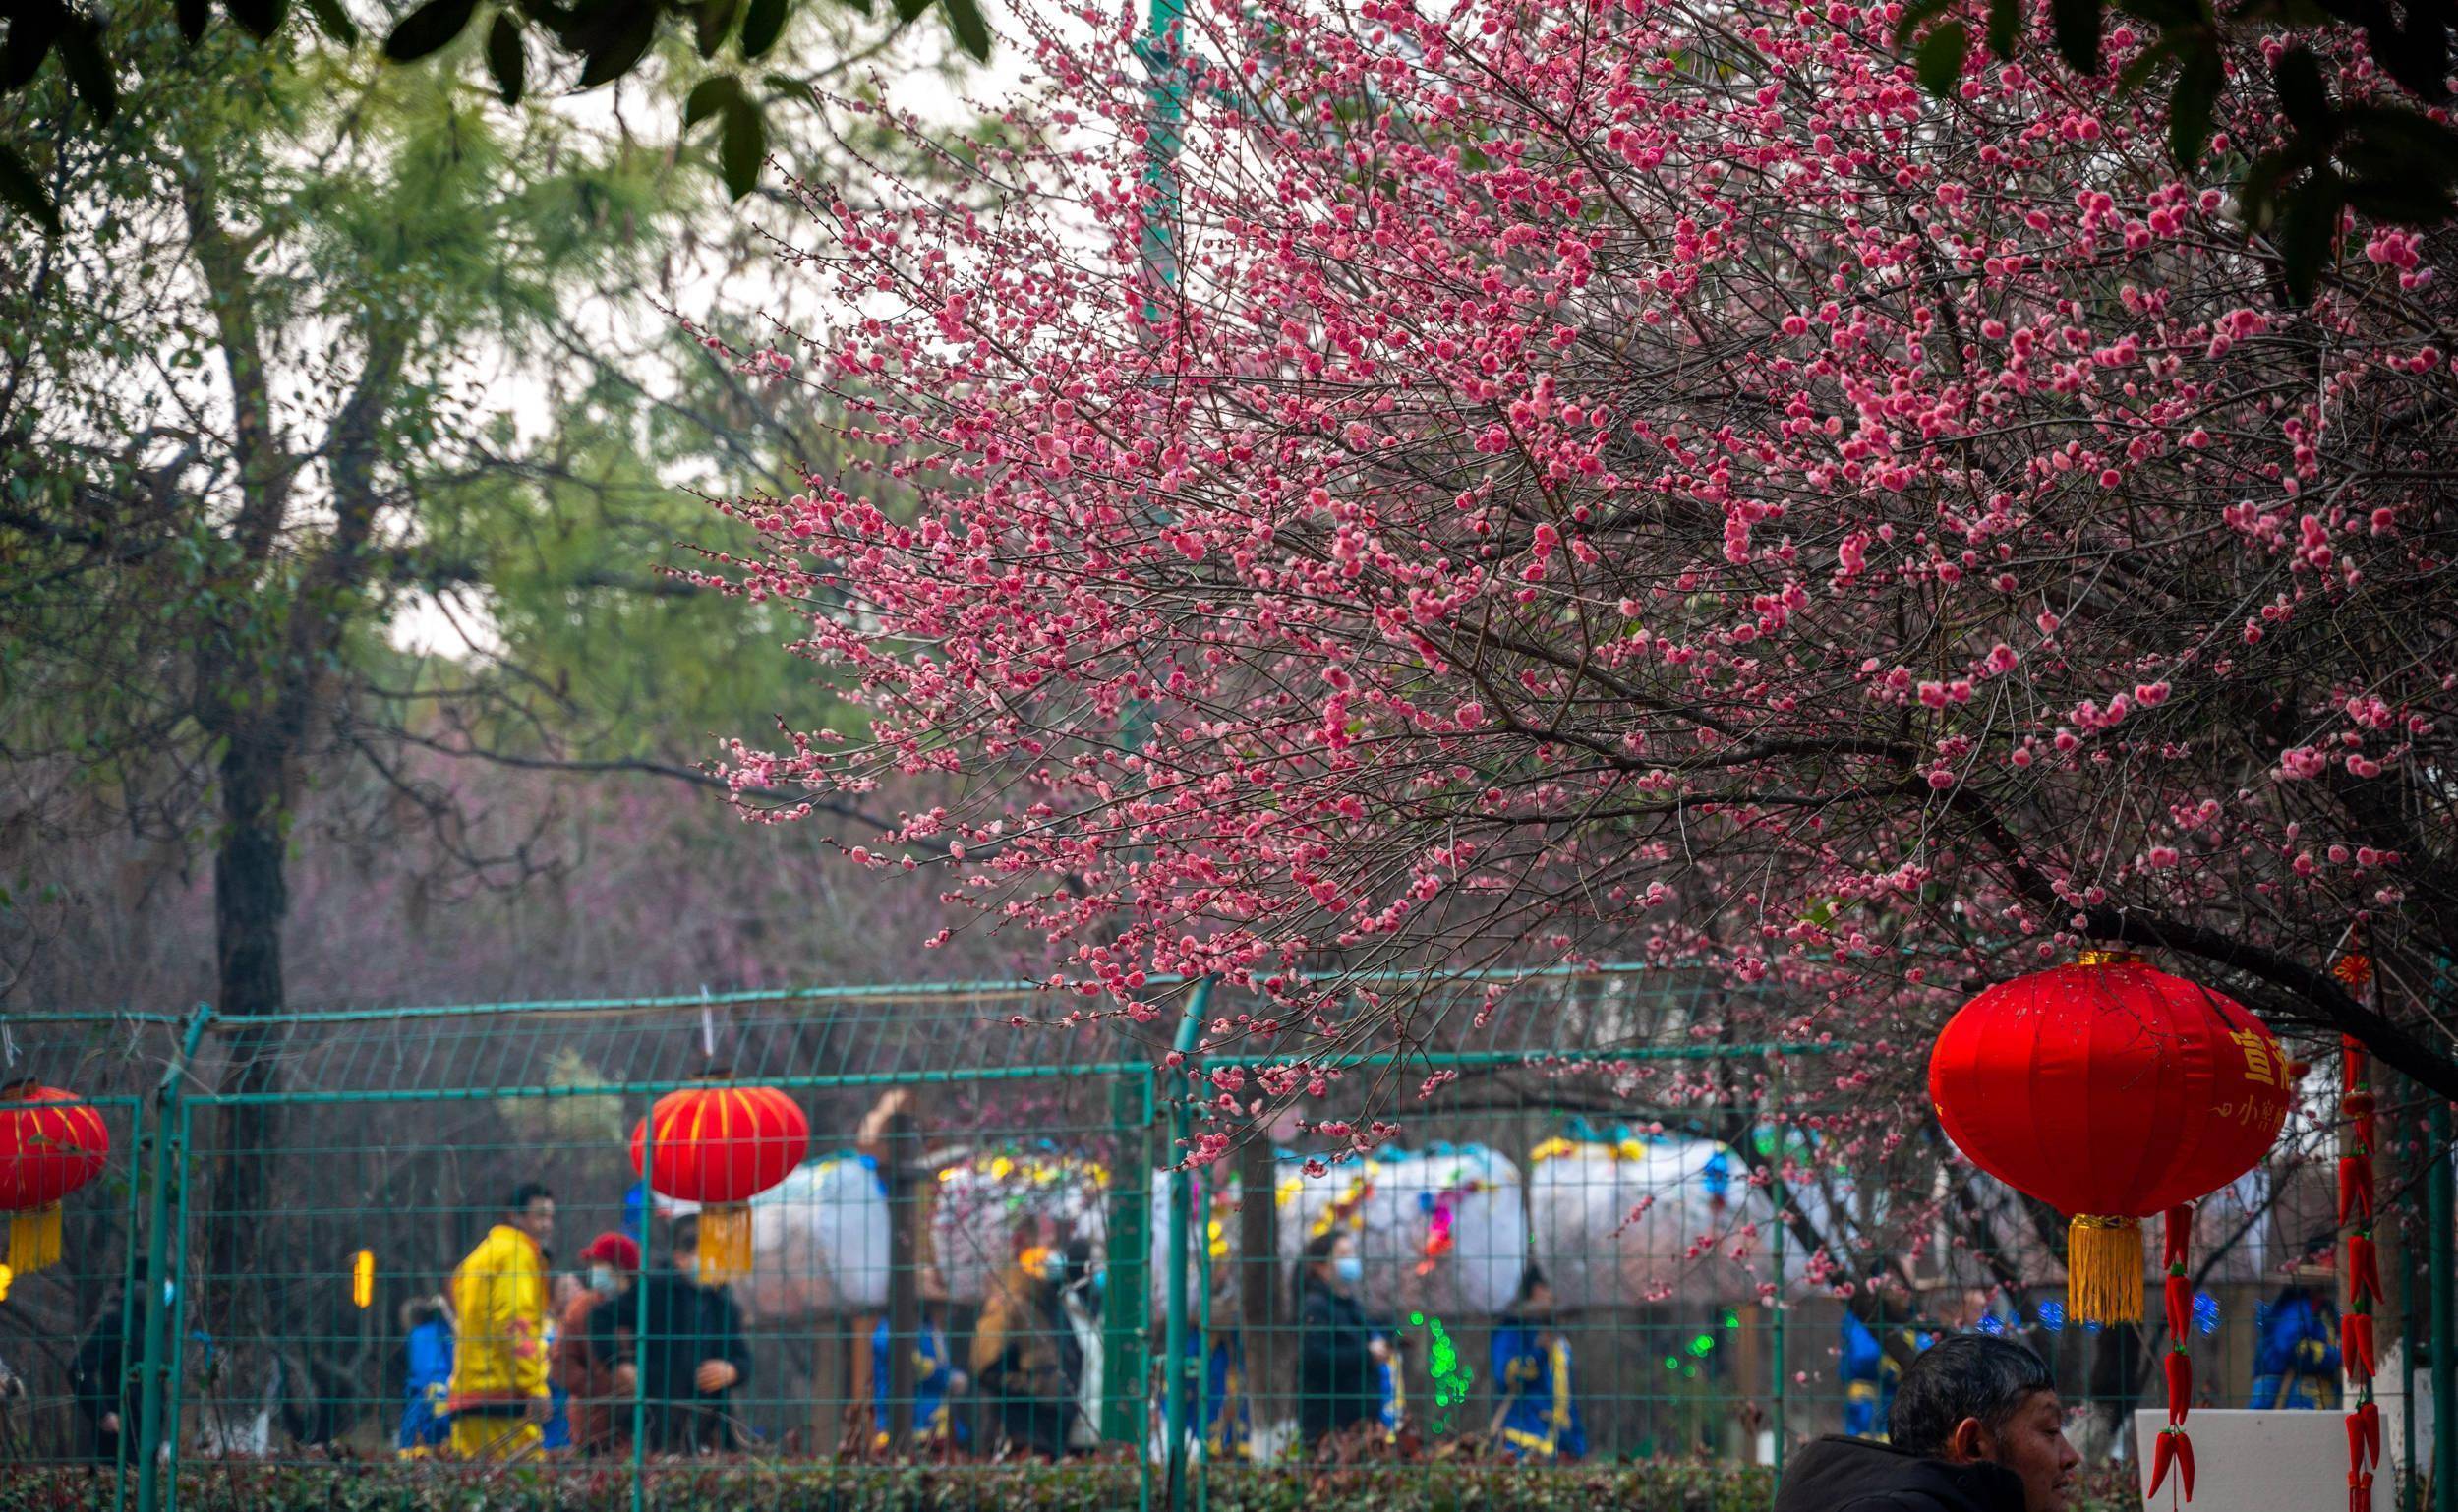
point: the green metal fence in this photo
(1194, 1322)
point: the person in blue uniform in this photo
(2296, 1362)
(1539, 1417)
(1226, 1419)
(1870, 1372)
(935, 1376)
(426, 1351)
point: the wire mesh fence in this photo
(422, 1237)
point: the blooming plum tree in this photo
(1630, 480)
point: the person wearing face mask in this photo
(1025, 1355)
(1339, 1357)
(600, 1414)
(691, 1354)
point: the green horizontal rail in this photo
(882, 992)
(812, 1082)
(1434, 1059)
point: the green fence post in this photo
(170, 1115)
(132, 1300)
(1775, 1251)
(1200, 1372)
(175, 1363)
(1181, 1186)
(1127, 1301)
(2437, 1205)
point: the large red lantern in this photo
(2111, 1092)
(50, 1144)
(721, 1146)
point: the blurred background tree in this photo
(343, 433)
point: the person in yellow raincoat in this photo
(497, 1396)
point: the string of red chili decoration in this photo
(2358, 1347)
(2172, 1448)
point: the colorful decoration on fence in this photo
(2357, 1343)
(51, 1143)
(721, 1146)
(982, 1198)
(2111, 1091)
(1439, 1230)
(363, 1279)
(1618, 1220)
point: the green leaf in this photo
(2308, 230)
(2257, 198)
(710, 96)
(1939, 60)
(261, 17)
(1916, 16)
(862, 6)
(713, 19)
(2292, 14)
(81, 53)
(31, 34)
(2146, 63)
(24, 192)
(2190, 103)
(507, 59)
(761, 26)
(744, 148)
(2423, 145)
(2005, 27)
(192, 15)
(2401, 199)
(2302, 94)
(972, 32)
(429, 29)
(626, 39)
(334, 21)
(2077, 32)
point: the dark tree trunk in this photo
(251, 899)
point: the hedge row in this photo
(1655, 1486)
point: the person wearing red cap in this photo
(600, 1419)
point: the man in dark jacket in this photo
(691, 1354)
(101, 1371)
(1975, 1426)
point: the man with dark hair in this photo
(1975, 1426)
(499, 1395)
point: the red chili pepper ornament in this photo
(2178, 1294)
(2356, 1328)
(2364, 1266)
(2177, 1235)
(2180, 1366)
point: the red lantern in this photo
(2110, 1092)
(721, 1146)
(50, 1144)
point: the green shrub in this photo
(1653, 1485)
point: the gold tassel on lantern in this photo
(725, 1241)
(34, 1240)
(2104, 1269)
